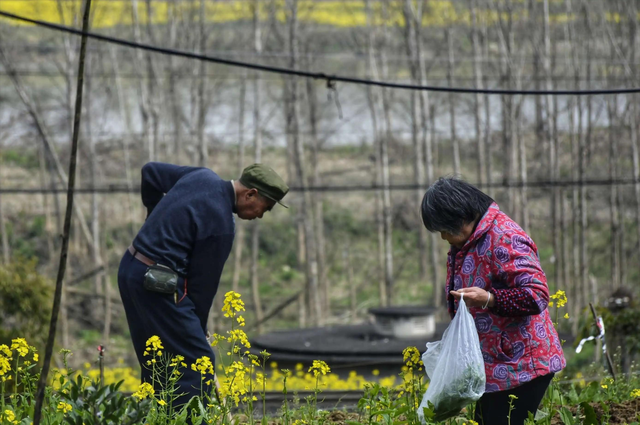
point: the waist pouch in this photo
(159, 278)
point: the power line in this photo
(114, 189)
(186, 75)
(330, 79)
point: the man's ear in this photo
(252, 193)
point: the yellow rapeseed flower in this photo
(411, 357)
(560, 297)
(9, 416)
(4, 349)
(145, 390)
(162, 402)
(216, 339)
(5, 365)
(238, 335)
(635, 393)
(177, 361)
(21, 346)
(64, 407)
(319, 368)
(154, 344)
(232, 304)
(203, 365)
(604, 386)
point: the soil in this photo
(619, 413)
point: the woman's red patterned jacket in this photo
(517, 337)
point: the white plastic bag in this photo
(455, 367)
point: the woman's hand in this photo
(474, 296)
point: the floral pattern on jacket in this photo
(517, 337)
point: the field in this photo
(80, 397)
(340, 14)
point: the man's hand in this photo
(474, 296)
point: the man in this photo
(170, 274)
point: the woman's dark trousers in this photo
(493, 408)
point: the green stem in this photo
(286, 402)
(15, 383)
(315, 395)
(250, 401)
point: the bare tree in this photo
(552, 141)
(46, 139)
(98, 311)
(146, 91)
(373, 102)
(452, 105)
(612, 111)
(257, 147)
(203, 148)
(477, 74)
(292, 115)
(6, 252)
(384, 160)
(240, 228)
(632, 13)
(584, 154)
(125, 115)
(412, 19)
(317, 199)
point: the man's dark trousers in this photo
(177, 326)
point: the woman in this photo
(495, 264)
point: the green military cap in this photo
(268, 183)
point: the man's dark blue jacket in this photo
(190, 226)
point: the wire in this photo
(315, 75)
(111, 189)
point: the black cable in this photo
(314, 75)
(110, 189)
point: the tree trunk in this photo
(477, 74)
(145, 93)
(64, 318)
(43, 133)
(98, 311)
(125, 115)
(293, 130)
(351, 283)
(632, 11)
(257, 147)
(612, 110)
(106, 331)
(428, 141)
(452, 106)
(317, 200)
(6, 253)
(152, 90)
(240, 228)
(48, 221)
(552, 138)
(584, 162)
(575, 133)
(412, 45)
(372, 98)
(384, 158)
(203, 147)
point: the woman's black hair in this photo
(451, 203)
